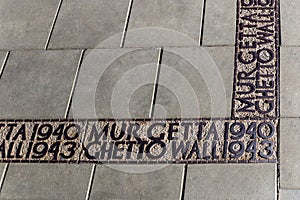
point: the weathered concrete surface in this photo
(219, 23)
(195, 82)
(26, 24)
(216, 182)
(289, 165)
(37, 84)
(137, 182)
(87, 24)
(164, 23)
(46, 181)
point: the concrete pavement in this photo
(117, 45)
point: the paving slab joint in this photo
(202, 23)
(126, 23)
(53, 24)
(4, 63)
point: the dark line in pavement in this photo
(156, 81)
(202, 22)
(278, 37)
(278, 160)
(4, 63)
(6, 166)
(279, 24)
(90, 185)
(74, 84)
(126, 23)
(3, 176)
(53, 24)
(183, 183)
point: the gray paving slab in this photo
(289, 82)
(164, 23)
(89, 24)
(115, 83)
(219, 23)
(231, 181)
(25, 24)
(47, 181)
(37, 84)
(290, 21)
(289, 156)
(195, 82)
(289, 194)
(137, 182)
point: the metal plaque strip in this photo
(257, 60)
(139, 141)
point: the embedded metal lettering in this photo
(256, 62)
(138, 141)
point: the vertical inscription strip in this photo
(255, 92)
